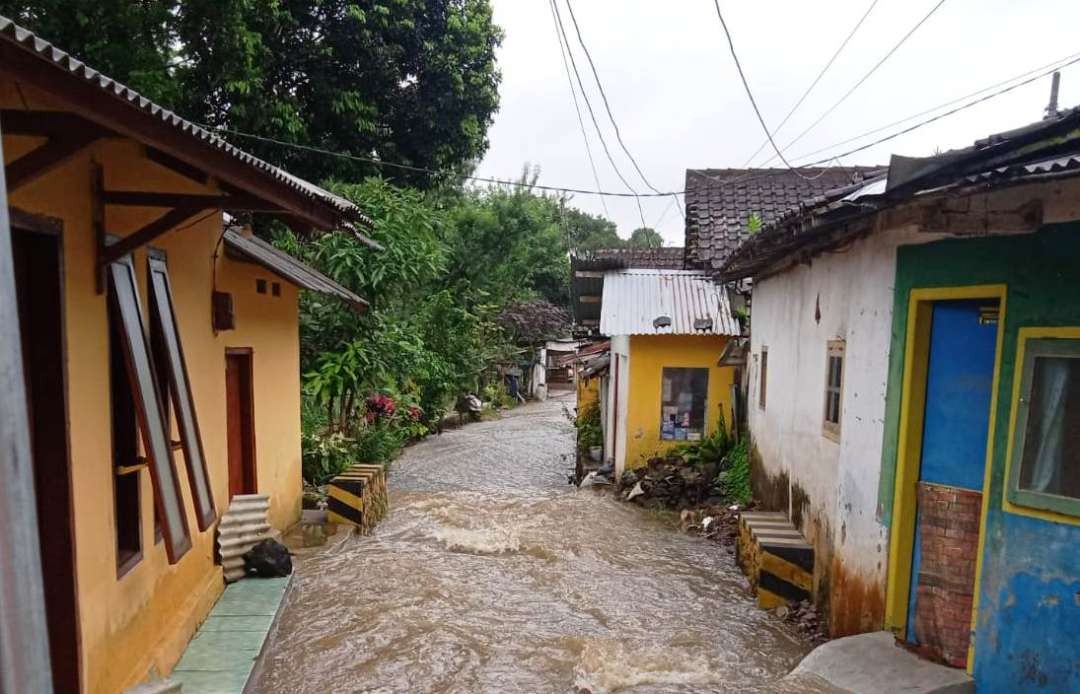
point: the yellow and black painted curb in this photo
(358, 497)
(775, 557)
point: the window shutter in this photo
(179, 386)
(144, 388)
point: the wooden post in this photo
(24, 640)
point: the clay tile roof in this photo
(720, 202)
(665, 258)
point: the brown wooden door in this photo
(39, 293)
(240, 413)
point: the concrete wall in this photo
(141, 621)
(649, 354)
(829, 487)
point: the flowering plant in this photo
(379, 406)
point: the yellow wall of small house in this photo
(588, 392)
(139, 623)
(649, 354)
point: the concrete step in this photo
(775, 557)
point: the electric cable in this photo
(577, 110)
(817, 79)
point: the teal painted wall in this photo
(1027, 637)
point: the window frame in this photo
(763, 374)
(124, 297)
(127, 464)
(1032, 345)
(178, 386)
(704, 403)
(834, 349)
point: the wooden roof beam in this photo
(236, 201)
(163, 224)
(38, 162)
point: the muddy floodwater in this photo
(492, 574)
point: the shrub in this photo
(589, 432)
(733, 481)
(378, 443)
(325, 455)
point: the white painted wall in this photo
(617, 393)
(852, 288)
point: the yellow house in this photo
(668, 329)
(160, 354)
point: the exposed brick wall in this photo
(949, 529)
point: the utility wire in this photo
(1055, 65)
(975, 102)
(592, 115)
(720, 183)
(753, 102)
(577, 110)
(817, 79)
(607, 105)
(863, 79)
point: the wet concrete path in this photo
(492, 574)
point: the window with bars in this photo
(834, 388)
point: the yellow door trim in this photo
(909, 449)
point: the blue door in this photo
(960, 374)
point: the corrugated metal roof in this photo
(634, 299)
(27, 40)
(254, 249)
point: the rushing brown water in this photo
(492, 574)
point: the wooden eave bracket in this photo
(179, 209)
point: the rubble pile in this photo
(717, 523)
(804, 617)
(670, 484)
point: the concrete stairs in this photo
(775, 557)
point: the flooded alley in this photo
(492, 574)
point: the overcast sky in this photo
(679, 104)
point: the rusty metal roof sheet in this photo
(637, 302)
(255, 250)
(29, 41)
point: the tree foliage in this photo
(407, 81)
(645, 237)
(463, 281)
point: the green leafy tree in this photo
(507, 245)
(129, 41)
(644, 237)
(586, 232)
(405, 81)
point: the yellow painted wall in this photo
(139, 623)
(649, 354)
(588, 391)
